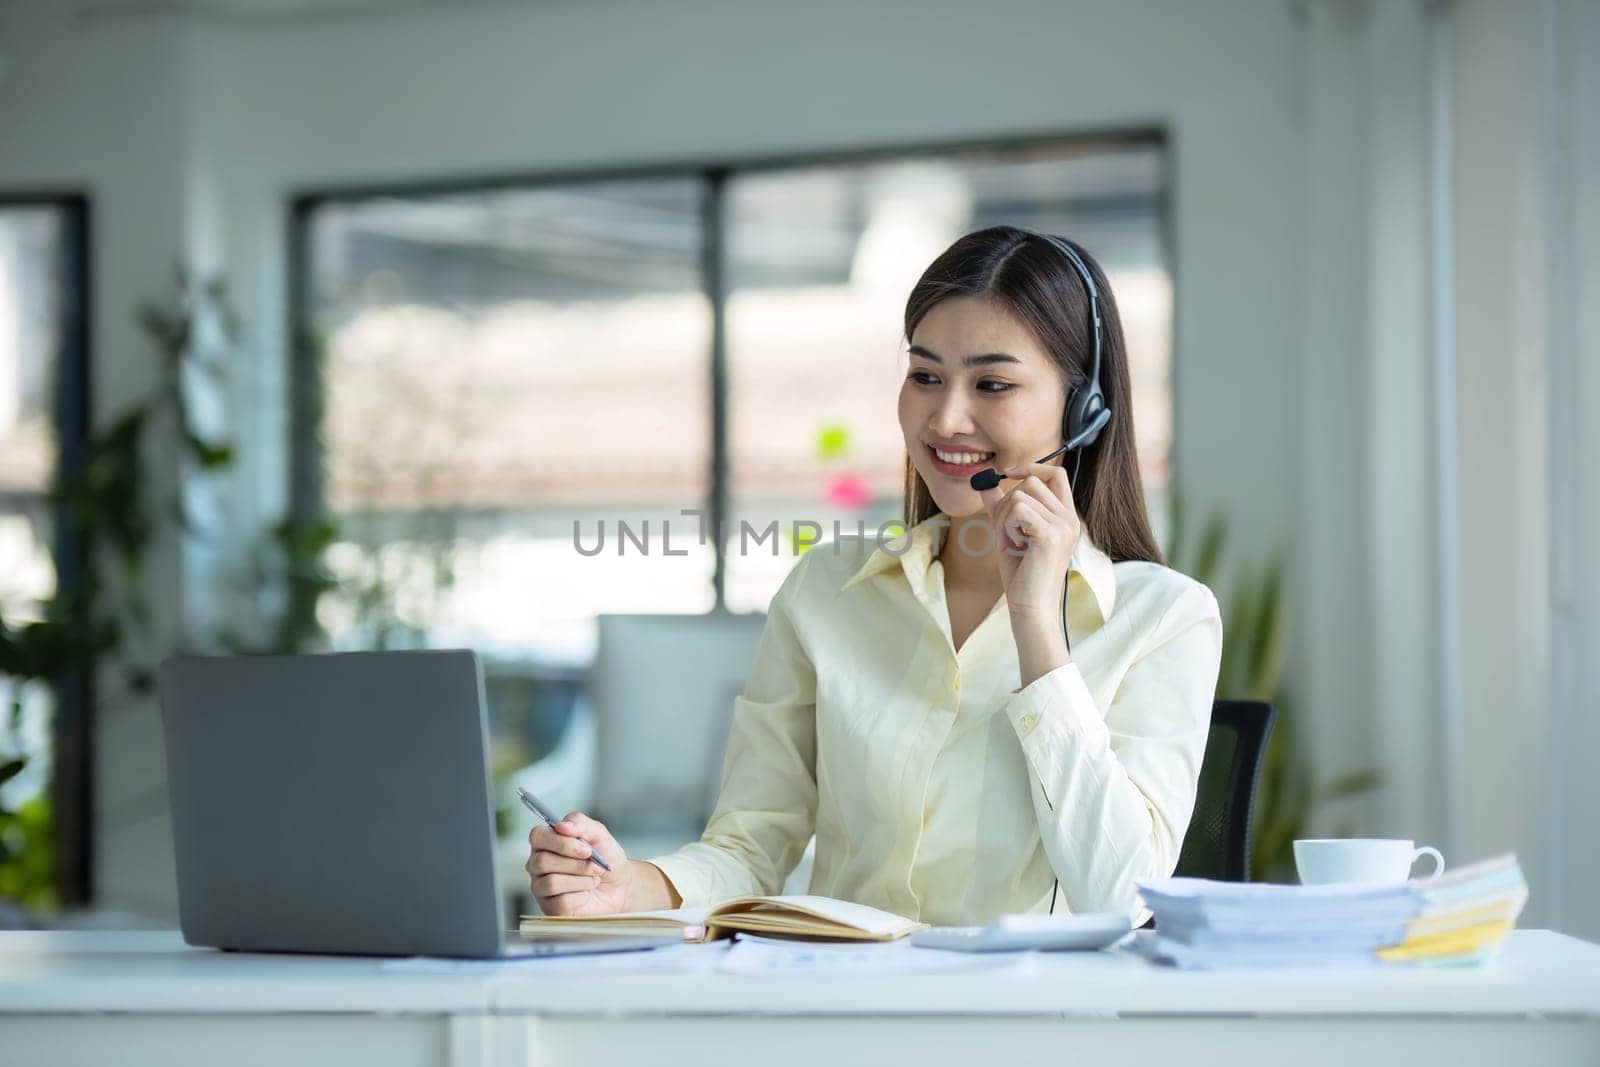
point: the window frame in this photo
(306, 503)
(72, 787)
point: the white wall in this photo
(1332, 667)
(1527, 129)
(1400, 584)
(1577, 795)
(1500, 350)
(1518, 185)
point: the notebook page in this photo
(842, 912)
(683, 916)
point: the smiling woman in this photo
(1016, 306)
(954, 760)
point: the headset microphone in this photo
(989, 478)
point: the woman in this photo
(920, 708)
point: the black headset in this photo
(1086, 412)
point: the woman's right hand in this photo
(562, 877)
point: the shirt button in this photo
(1027, 722)
(958, 683)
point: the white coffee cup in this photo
(1324, 861)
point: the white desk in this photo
(146, 998)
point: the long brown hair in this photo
(1038, 285)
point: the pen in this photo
(544, 813)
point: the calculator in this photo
(1013, 933)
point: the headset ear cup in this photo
(1097, 422)
(1086, 416)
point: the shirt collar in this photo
(913, 551)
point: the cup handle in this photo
(1438, 860)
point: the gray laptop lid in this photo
(333, 803)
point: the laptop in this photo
(338, 803)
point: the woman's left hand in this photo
(1038, 528)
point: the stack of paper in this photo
(1456, 917)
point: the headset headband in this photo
(1094, 300)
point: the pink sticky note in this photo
(849, 491)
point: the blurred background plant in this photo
(27, 853)
(114, 516)
(111, 517)
(1255, 620)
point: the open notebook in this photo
(799, 916)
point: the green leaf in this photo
(1212, 538)
(209, 454)
(158, 324)
(1268, 640)
(1238, 631)
(1175, 517)
(11, 769)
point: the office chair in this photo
(1217, 845)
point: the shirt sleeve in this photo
(1116, 789)
(767, 803)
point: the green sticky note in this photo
(833, 441)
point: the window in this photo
(495, 366)
(505, 375)
(43, 413)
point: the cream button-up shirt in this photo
(937, 788)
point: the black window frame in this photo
(306, 503)
(72, 785)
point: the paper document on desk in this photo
(1453, 918)
(759, 955)
(671, 959)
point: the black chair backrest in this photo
(1217, 845)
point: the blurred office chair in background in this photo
(1217, 844)
(663, 688)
